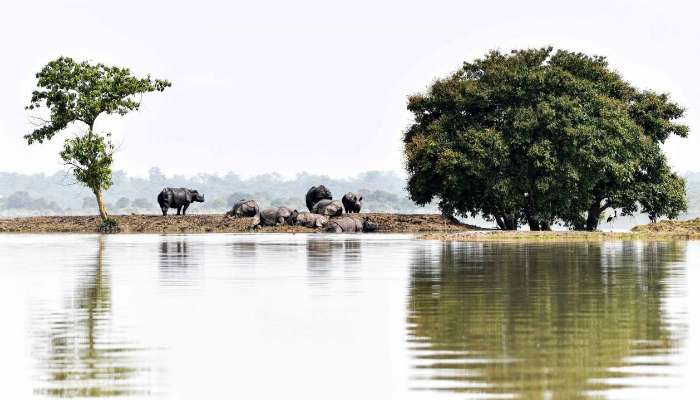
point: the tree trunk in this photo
(593, 216)
(533, 224)
(499, 221)
(100, 204)
(510, 222)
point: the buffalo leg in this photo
(179, 210)
(165, 210)
(184, 208)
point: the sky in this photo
(316, 86)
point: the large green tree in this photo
(538, 137)
(78, 93)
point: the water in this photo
(345, 317)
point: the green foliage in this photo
(109, 225)
(540, 137)
(80, 92)
(90, 157)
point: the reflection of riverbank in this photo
(530, 320)
(80, 354)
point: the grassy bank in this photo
(388, 223)
(664, 230)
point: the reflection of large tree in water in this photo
(83, 356)
(542, 320)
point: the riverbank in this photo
(196, 223)
(663, 230)
(432, 226)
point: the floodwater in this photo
(313, 316)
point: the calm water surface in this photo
(345, 317)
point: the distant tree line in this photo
(57, 193)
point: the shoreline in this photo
(425, 226)
(218, 223)
(663, 230)
(552, 236)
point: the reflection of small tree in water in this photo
(552, 319)
(82, 362)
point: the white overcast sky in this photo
(317, 86)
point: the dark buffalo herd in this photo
(324, 212)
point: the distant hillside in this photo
(57, 194)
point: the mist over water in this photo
(344, 316)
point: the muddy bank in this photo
(388, 223)
(689, 229)
(664, 230)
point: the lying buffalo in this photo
(316, 194)
(272, 216)
(179, 198)
(307, 219)
(329, 208)
(244, 208)
(352, 202)
(350, 224)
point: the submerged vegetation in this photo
(539, 137)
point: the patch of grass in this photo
(109, 225)
(559, 236)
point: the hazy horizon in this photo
(312, 87)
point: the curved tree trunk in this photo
(499, 221)
(100, 203)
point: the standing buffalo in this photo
(272, 216)
(179, 198)
(307, 219)
(316, 194)
(329, 208)
(244, 208)
(350, 224)
(352, 202)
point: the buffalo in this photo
(244, 208)
(273, 216)
(350, 224)
(316, 194)
(179, 198)
(307, 219)
(352, 202)
(329, 208)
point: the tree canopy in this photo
(538, 137)
(80, 92)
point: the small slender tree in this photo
(79, 93)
